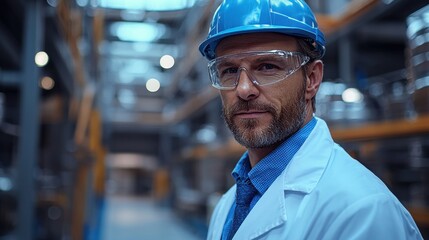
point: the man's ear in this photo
(314, 79)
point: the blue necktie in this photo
(245, 193)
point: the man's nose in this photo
(246, 89)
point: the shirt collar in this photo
(263, 174)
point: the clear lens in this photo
(263, 68)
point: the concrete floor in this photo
(130, 218)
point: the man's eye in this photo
(267, 66)
(228, 71)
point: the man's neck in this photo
(256, 154)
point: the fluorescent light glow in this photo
(52, 3)
(136, 66)
(206, 134)
(137, 31)
(158, 5)
(41, 59)
(82, 3)
(166, 61)
(153, 85)
(352, 95)
(126, 97)
(125, 77)
(5, 184)
(132, 15)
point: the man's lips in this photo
(251, 114)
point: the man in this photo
(293, 182)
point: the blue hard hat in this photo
(291, 17)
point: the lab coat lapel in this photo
(269, 212)
(299, 176)
(223, 212)
(307, 166)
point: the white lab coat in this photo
(322, 194)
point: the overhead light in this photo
(153, 85)
(206, 134)
(166, 61)
(41, 59)
(82, 3)
(132, 15)
(52, 3)
(47, 83)
(352, 95)
(158, 5)
(138, 31)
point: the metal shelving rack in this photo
(27, 148)
(27, 27)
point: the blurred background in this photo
(109, 128)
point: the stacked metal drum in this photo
(418, 40)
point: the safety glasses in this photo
(262, 67)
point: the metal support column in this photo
(10, 79)
(29, 120)
(165, 147)
(214, 112)
(345, 60)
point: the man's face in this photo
(263, 116)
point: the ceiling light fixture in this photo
(47, 83)
(137, 31)
(153, 85)
(41, 59)
(352, 95)
(166, 61)
(159, 5)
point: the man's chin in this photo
(252, 142)
(250, 137)
(248, 124)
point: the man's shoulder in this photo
(349, 178)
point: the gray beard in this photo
(290, 119)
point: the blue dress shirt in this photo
(263, 174)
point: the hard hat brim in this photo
(208, 47)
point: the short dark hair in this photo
(308, 48)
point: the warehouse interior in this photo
(107, 103)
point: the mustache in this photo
(250, 105)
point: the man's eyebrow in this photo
(258, 59)
(226, 64)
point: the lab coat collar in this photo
(301, 175)
(309, 163)
(269, 211)
(227, 199)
